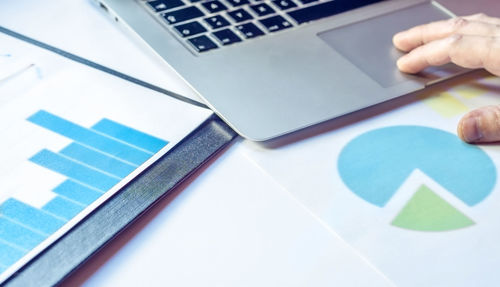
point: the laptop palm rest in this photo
(368, 45)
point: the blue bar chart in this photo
(96, 160)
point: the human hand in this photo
(471, 42)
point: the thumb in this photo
(481, 125)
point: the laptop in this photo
(272, 67)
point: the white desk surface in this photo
(231, 224)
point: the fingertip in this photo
(460, 129)
(399, 42)
(405, 66)
(395, 39)
(460, 134)
(480, 125)
(400, 63)
(468, 129)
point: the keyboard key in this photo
(262, 9)
(226, 37)
(190, 29)
(307, 1)
(182, 15)
(214, 6)
(162, 5)
(284, 4)
(326, 9)
(217, 21)
(240, 15)
(249, 30)
(237, 3)
(275, 23)
(202, 43)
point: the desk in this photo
(231, 224)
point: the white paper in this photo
(232, 226)
(60, 122)
(467, 254)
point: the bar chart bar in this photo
(129, 135)
(98, 160)
(21, 236)
(89, 138)
(74, 170)
(30, 216)
(77, 192)
(9, 255)
(62, 207)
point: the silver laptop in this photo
(272, 67)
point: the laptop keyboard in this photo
(206, 25)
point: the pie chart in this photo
(375, 165)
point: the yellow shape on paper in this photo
(446, 105)
(469, 92)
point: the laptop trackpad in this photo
(368, 44)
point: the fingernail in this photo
(469, 129)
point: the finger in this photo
(481, 125)
(420, 35)
(466, 51)
(481, 17)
